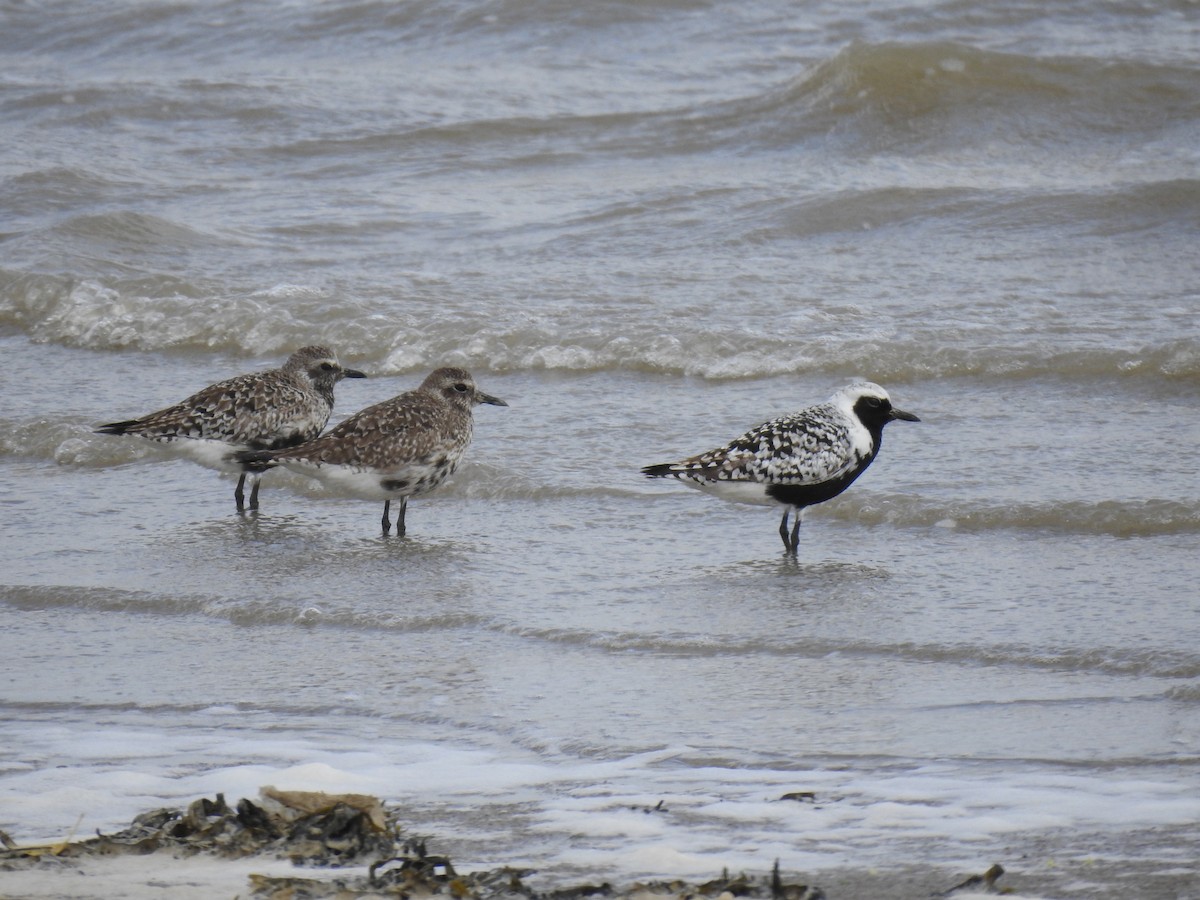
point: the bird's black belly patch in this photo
(394, 484)
(801, 495)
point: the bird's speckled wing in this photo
(808, 447)
(259, 411)
(413, 427)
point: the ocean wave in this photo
(933, 97)
(1104, 661)
(936, 100)
(1119, 518)
(157, 312)
(238, 612)
(1109, 661)
(942, 94)
(1095, 210)
(1185, 693)
(160, 313)
(107, 242)
(37, 191)
(339, 29)
(1148, 517)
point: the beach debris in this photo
(416, 873)
(726, 887)
(986, 881)
(657, 807)
(781, 891)
(336, 831)
(414, 867)
(801, 796)
(294, 804)
(307, 827)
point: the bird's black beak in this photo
(906, 416)
(353, 373)
(488, 398)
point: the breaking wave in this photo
(164, 313)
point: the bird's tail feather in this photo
(659, 471)
(117, 427)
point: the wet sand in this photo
(184, 878)
(314, 845)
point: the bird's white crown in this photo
(845, 398)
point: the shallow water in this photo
(647, 227)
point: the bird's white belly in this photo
(371, 484)
(211, 454)
(754, 492)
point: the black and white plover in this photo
(798, 460)
(400, 448)
(260, 411)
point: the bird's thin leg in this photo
(254, 494)
(387, 523)
(400, 529)
(795, 544)
(783, 529)
(239, 496)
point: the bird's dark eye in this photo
(461, 388)
(327, 367)
(874, 402)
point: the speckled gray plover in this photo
(261, 411)
(394, 450)
(797, 460)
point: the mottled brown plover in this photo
(260, 411)
(400, 448)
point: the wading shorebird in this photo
(394, 450)
(797, 460)
(260, 411)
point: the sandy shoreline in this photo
(292, 844)
(164, 874)
(297, 844)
